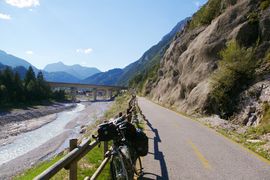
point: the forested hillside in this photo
(16, 91)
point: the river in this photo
(26, 142)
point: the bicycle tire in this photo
(117, 169)
(112, 170)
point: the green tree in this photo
(206, 14)
(30, 85)
(18, 88)
(7, 80)
(31, 91)
(30, 76)
(13, 90)
(3, 94)
(59, 95)
(44, 91)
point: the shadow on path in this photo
(158, 155)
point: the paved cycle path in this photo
(180, 148)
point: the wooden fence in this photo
(76, 152)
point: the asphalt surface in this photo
(181, 148)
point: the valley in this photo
(200, 92)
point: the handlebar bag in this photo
(106, 131)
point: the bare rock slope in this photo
(185, 71)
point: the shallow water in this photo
(28, 141)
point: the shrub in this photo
(235, 72)
(266, 114)
(206, 14)
(253, 17)
(267, 56)
(264, 4)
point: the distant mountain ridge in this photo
(21, 70)
(149, 59)
(78, 71)
(20, 65)
(13, 61)
(110, 77)
(60, 77)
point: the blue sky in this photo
(97, 33)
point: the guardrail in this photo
(76, 152)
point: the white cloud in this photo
(29, 52)
(5, 16)
(23, 3)
(84, 51)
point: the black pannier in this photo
(128, 129)
(106, 131)
(140, 143)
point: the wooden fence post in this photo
(73, 166)
(120, 114)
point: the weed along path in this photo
(180, 148)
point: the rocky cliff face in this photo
(184, 77)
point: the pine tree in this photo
(19, 92)
(7, 80)
(43, 87)
(30, 86)
(30, 75)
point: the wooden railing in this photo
(76, 152)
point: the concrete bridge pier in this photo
(73, 91)
(94, 90)
(109, 94)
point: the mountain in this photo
(76, 70)
(13, 61)
(151, 57)
(19, 69)
(110, 77)
(60, 77)
(149, 60)
(20, 65)
(218, 64)
(2, 66)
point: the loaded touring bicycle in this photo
(128, 145)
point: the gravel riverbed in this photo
(71, 129)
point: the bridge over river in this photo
(95, 90)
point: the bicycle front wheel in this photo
(117, 168)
